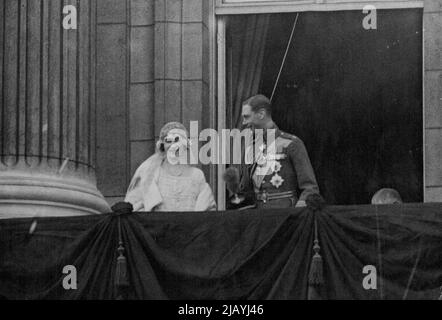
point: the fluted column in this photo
(47, 118)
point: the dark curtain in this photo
(245, 46)
(246, 41)
(354, 96)
(228, 255)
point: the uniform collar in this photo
(272, 126)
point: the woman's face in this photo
(174, 142)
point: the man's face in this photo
(250, 118)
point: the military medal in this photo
(277, 181)
(276, 166)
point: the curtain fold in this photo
(246, 44)
(245, 61)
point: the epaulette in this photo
(289, 136)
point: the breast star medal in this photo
(277, 181)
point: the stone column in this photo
(433, 99)
(47, 120)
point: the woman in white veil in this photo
(164, 183)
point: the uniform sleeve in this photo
(244, 168)
(304, 171)
(244, 178)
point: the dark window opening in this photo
(354, 96)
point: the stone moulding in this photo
(24, 196)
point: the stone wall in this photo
(112, 97)
(433, 99)
(153, 67)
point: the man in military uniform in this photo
(280, 168)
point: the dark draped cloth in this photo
(228, 255)
(246, 45)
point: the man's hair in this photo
(259, 102)
(386, 196)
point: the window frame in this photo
(227, 7)
(223, 8)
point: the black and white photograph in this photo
(220, 153)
